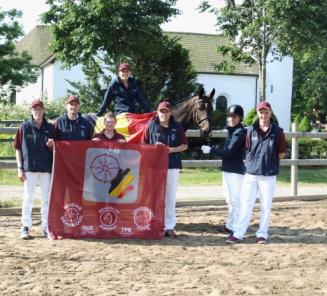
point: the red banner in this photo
(107, 190)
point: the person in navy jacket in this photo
(232, 164)
(73, 126)
(164, 130)
(265, 146)
(125, 92)
(33, 144)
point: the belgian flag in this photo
(130, 125)
(121, 183)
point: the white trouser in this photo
(29, 189)
(252, 185)
(170, 198)
(232, 184)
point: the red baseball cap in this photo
(37, 102)
(263, 105)
(164, 105)
(72, 99)
(125, 66)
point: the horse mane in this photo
(182, 103)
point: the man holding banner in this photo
(34, 163)
(72, 126)
(164, 130)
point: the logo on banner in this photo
(108, 218)
(111, 175)
(87, 229)
(142, 218)
(72, 216)
(104, 168)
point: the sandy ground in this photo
(189, 192)
(198, 262)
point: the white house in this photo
(241, 87)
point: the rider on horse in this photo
(124, 90)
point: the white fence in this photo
(294, 162)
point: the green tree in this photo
(305, 125)
(102, 34)
(257, 27)
(105, 31)
(168, 73)
(297, 120)
(16, 69)
(310, 84)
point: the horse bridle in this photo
(197, 120)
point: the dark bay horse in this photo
(196, 110)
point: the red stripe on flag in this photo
(137, 124)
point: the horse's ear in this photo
(201, 93)
(212, 93)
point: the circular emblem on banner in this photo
(108, 218)
(142, 218)
(72, 215)
(104, 168)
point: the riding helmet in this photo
(235, 110)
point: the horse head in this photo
(202, 111)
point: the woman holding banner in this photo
(164, 130)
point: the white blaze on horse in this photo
(196, 110)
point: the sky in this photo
(190, 19)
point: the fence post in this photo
(294, 167)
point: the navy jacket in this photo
(233, 152)
(73, 130)
(37, 157)
(262, 157)
(172, 136)
(124, 97)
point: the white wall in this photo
(29, 93)
(48, 81)
(236, 88)
(55, 85)
(279, 89)
(242, 89)
(61, 86)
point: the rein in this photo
(197, 120)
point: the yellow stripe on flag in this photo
(122, 124)
(122, 185)
(99, 125)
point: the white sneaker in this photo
(24, 233)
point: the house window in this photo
(221, 103)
